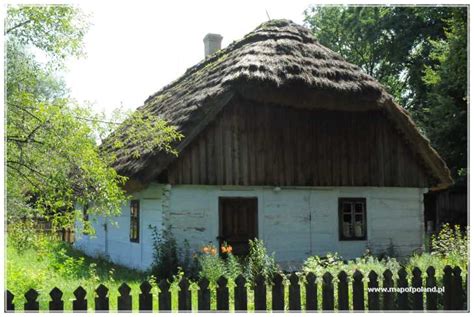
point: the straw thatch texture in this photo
(279, 62)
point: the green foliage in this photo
(450, 243)
(52, 155)
(444, 114)
(259, 262)
(418, 53)
(57, 30)
(54, 263)
(333, 264)
(212, 265)
(165, 253)
(21, 235)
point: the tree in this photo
(53, 159)
(395, 45)
(445, 113)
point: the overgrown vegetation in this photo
(38, 261)
(449, 247)
(44, 262)
(53, 159)
(168, 258)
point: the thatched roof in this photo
(278, 62)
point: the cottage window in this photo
(352, 219)
(85, 216)
(85, 213)
(135, 221)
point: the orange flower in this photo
(205, 250)
(213, 251)
(223, 249)
(229, 249)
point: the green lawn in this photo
(58, 265)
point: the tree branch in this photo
(17, 26)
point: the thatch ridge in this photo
(280, 57)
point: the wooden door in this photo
(238, 222)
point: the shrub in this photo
(259, 262)
(211, 265)
(169, 260)
(333, 264)
(165, 253)
(450, 243)
(21, 234)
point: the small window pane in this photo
(134, 221)
(352, 221)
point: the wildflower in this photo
(213, 251)
(205, 249)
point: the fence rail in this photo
(351, 293)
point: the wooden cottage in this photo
(284, 141)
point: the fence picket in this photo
(311, 292)
(102, 300)
(260, 294)
(457, 292)
(164, 297)
(328, 292)
(222, 295)
(31, 302)
(417, 297)
(402, 298)
(56, 303)
(145, 298)
(80, 303)
(374, 298)
(204, 295)
(294, 293)
(184, 298)
(431, 297)
(388, 296)
(343, 292)
(447, 287)
(278, 293)
(10, 305)
(357, 291)
(124, 300)
(240, 294)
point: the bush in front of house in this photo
(451, 243)
(449, 247)
(334, 264)
(168, 259)
(258, 261)
(212, 266)
(165, 253)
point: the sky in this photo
(135, 48)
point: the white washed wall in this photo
(115, 244)
(393, 215)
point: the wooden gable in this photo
(257, 144)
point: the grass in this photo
(59, 265)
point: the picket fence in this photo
(453, 297)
